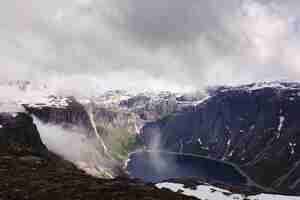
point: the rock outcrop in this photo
(64, 111)
(255, 126)
(18, 128)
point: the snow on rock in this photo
(292, 146)
(280, 125)
(228, 142)
(291, 98)
(213, 193)
(16, 94)
(272, 84)
(200, 141)
(49, 101)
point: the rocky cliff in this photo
(255, 126)
(66, 111)
(29, 171)
(18, 128)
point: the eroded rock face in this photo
(254, 126)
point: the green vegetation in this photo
(120, 141)
(122, 148)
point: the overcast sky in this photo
(169, 44)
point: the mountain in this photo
(111, 121)
(29, 171)
(255, 126)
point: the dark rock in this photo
(19, 129)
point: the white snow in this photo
(48, 101)
(213, 193)
(126, 162)
(292, 145)
(228, 142)
(280, 125)
(200, 141)
(262, 85)
(201, 101)
(291, 98)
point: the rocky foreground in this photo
(29, 171)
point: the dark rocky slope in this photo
(29, 171)
(255, 126)
(19, 129)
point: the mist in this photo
(73, 145)
(139, 44)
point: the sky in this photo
(142, 44)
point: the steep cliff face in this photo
(255, 126)
(118, 128)
(64, 111)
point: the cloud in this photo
(173, 43)
(82, 151)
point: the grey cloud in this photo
(189, 43)
(171, 21)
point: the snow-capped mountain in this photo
(255, 126)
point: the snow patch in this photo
(228, 142)
(280, 125)
(262, 85)
(200, 141)
(252, 127)
(201, 101)
(214, 193)
(292, 146)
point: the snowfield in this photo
(213, 193)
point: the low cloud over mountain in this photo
(158, 44)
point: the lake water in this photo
(153, 166)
